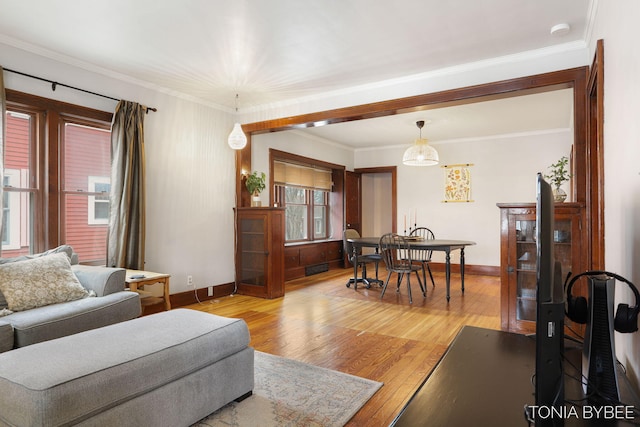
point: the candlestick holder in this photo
(410, 229)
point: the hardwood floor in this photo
(322, 322)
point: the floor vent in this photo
(315, 269)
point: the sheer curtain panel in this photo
(127, 219)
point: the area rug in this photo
(292, 393)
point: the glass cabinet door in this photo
(252, 244)
(526, 260)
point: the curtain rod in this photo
(54, 84)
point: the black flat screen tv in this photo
(549, 380)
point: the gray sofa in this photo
(111, 304)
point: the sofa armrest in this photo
(102, 280)
(6, 336)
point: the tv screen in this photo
(549, 381)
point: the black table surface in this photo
(485, 379)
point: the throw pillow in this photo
(66, 249)
(40, 281)
(63, 249)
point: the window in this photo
(85, 203)
(19, 174)
(98, 212)
(61, 197)
(306, 213)
(12, 206)
(303, 191)
(320, 214)
(296, 209)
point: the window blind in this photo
(301, 176)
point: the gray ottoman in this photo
(168, 369)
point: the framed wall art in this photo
(457, 183)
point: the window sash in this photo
(85, 173)
(307, 217)
(22, 195)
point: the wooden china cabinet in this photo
(518, 258)
(260, 251)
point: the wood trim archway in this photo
(595, 145)
(585, 156)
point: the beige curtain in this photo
(3, 125)
(125, 246)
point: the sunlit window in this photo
(303, 190)
(57, 164)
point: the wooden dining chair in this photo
(423, 256)
(359, 259)
(396, 254)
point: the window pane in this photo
(102, 187)
(294, 195)
(87, 152)
(86, 172)
(18, 148)
(18, 199)
(319, 222)
(296, 222)
(89, 242)
(318, 197)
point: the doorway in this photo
(378, 200)
(376, 206)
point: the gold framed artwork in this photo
(457, 183)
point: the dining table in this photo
(441, 245)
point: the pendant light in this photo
(237, 139)
(420, 153)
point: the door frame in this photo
(394, 193)
(595, 146)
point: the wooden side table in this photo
(137, 279)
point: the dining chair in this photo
(423, 256)
(396, 254)
(359, 259)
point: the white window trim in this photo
(15, 208)
(91, 212)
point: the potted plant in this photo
(557, 176)
(255, 184)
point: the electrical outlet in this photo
(210, 291)
(190, 281)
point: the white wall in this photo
(504, 171)
(296, 143)
(190, 168)
(617, 25)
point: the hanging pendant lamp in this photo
(237, 139)
(420, 153)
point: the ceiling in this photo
(282, 50)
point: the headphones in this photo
(626, 320)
